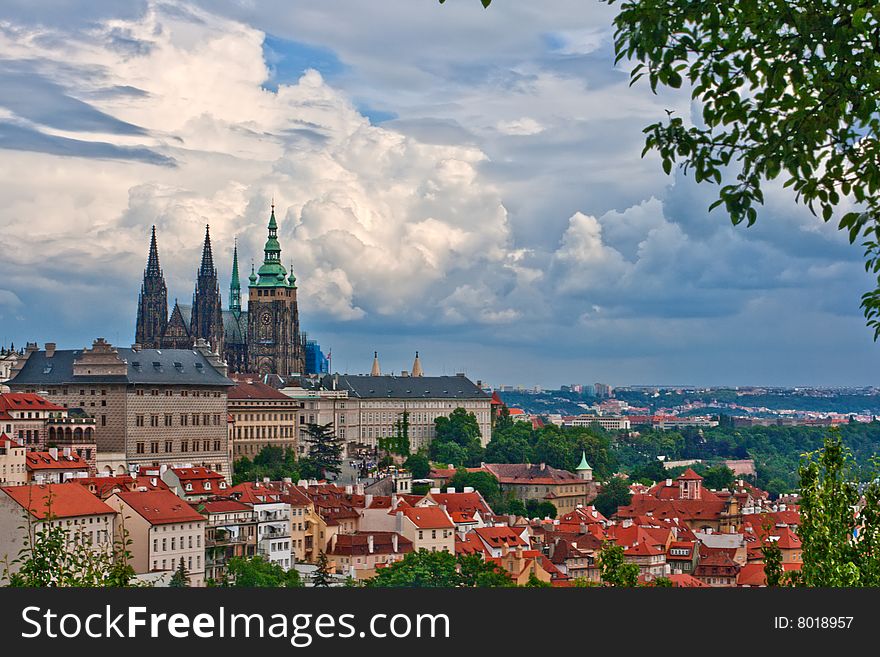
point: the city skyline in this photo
(461, 183)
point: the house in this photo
(230, 531)
(717, 570)
(429, 528)
(273, 520)
(26, 508)
(682, 557)
(522, 565)
(12, 462)
(359, 554)
(163, 529)
(105, 486)
(498, 541)
(193, 483)
(54, 467)
(526, 481)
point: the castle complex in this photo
(263, 339)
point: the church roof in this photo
(583, 464)
(145, 366)
(235, 328)
(407, 387)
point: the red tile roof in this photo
(221, 505)
(689, 474)
(103, 487)
(250, 387)
(428, 517)
(462, 502)
(63, 500)
(685, 581)
(523, 473)
(498, 536)
(358, 544)
(160, 507)
(45, 461)
(26, 401)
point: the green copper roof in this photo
(272, 273)
(584, 465)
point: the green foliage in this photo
(325, 449)
(484, 482)
(662, 582)
(425, 569)
(614, 494)
(272, 462)
(322, 577)
(558, 447)
(539, 509)
(772, 558)
(535, 583)
(457, 439)
(180, 578)
(718, 477)
(399, 442)
(786, 90)
(259, 572)
(475, 572)
(614, 568)
(418, 465)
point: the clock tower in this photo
(274, 344)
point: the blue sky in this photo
(461, 182)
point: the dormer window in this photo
(188, 487)
(207, 485)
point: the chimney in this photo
(136, 346)
(543, 467)
(394, 501)
(370, 545)
(53, 452)
(349, 490)
(66, 452)
(50, 349)
(450, 489)
(394, 542)
(287, 480)
(669, 482)
(435, 491)
(368, 500)
(468, 489)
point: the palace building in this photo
(264, 339)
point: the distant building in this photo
(527, 481)
(12, 462)
(262, 417)
(316, 361)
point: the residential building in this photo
(527, 481)
(359, 554)
(163, 529)
(192, 483)
(230, 531)
(429, 528)
(24, 416)
(54, 467)
(153, 405)
(272, 511)
(27, 508)
(12, 462)
(263, 417)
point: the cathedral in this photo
(264, 339)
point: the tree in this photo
(512, 444)
(456, 439)
(399, 442)
(614, 569)
(259, 572)
(181, 577)
(483, 482)
(718, 477)
(325, 449)
(772, 559)
(322, 576)
(785, 89)
(614, 494)
(475, 571)
(540, 509)
(535, 583)
(662, 582)
(418, 465)
(420, 569)
(829, 523)
(272, 462)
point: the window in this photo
(168, 446)
(184, 419)
(139, 448)
(168, 419)
(139, 420)
(154, 420)
(154, 447)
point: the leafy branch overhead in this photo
(785, 89)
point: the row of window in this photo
(205, 445)
(196, 419)
(175, 543)
(174, 564)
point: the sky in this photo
(463, 182)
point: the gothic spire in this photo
(153, 269)
(207, 267)
(417, 366)
(376, 371)
(235, 284)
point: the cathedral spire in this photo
(235, 284)
(153, 268)
(417, 366)
(207, 267)
(376, 371)
(272, 273)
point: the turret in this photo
(417, 367)
(376, 371)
